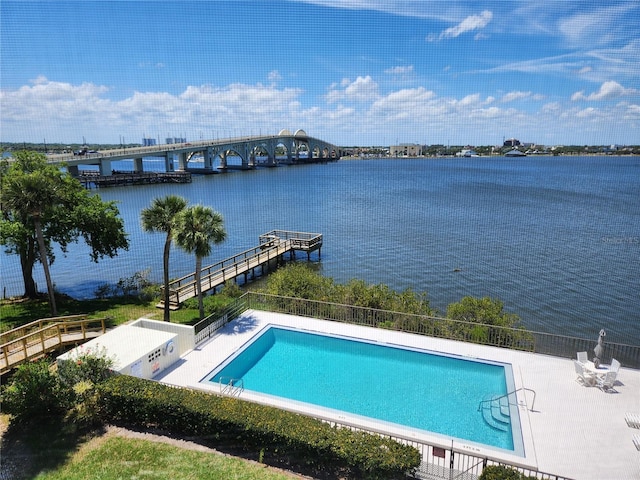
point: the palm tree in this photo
(160, 217)
(196, 229)
(31, 194)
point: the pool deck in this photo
(574, 431)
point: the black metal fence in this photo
(438, 461)
(505, 337)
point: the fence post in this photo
(451, 461)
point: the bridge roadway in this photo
(273, 245)
(252, 151)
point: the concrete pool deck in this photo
(573, 431)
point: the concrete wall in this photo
(186, 335)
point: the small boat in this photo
(515, 153)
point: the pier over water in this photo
(272, 248)
(242, 153)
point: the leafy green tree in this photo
(41, 205)
(160, 217)
(196, 229)
(494, 325)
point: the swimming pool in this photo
(405, 386)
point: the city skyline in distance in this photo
(459, 73)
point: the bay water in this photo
(557, 239)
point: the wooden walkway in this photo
(37, 338)
(272, 246)
(133, 178)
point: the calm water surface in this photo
(556, 238)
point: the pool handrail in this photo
(507, 395)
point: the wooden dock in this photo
(118, 179)
(35, 339)
(272, 247)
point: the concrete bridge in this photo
(201, 156)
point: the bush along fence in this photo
(263, 431)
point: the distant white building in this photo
(405, 150)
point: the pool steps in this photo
(495, 412)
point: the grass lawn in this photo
(113, 457)
(120, 309)
(58, 450)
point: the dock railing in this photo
(35, 341)
(272, 246)
(304, 241)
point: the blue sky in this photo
(352, 72)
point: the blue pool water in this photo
(413, 388)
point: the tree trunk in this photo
(45, 265)
(27, 260)
(165, 260)
(199, 286)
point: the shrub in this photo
(86, 364)
(137, 285)
(78, 376)
(500, 472)
(256, 428)
(33, 394)
(213, 304)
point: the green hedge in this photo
(254, 427)
(500, 472)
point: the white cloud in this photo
(358, 112)
(360, 90)
(151, 65)
(597, 27)
(587, 112)
(608, 90)
(469, 100)
(63, 110)
(469, 24)
(517, 95)
(400, 70)
(274, 76)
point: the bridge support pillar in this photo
(208, 159)
(73, 170)
(105, 167)
(168, 162)
(223, 160)
(246, 160)
(137, 165)
(182, 161)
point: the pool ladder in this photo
(231, 386)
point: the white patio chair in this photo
(633, 420)
(615, 365)
(582, 357)
(585, 378)
(636, 441)
(606, 381)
